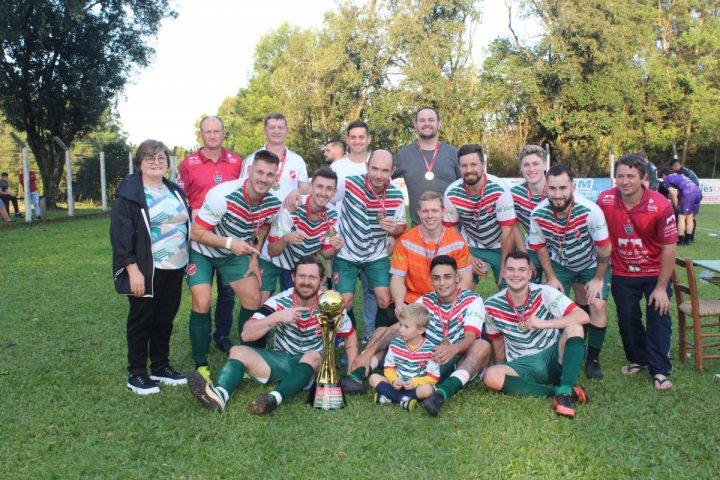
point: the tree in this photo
(63, 64)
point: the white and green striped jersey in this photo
(306, 333)
(544, 302)
(479, 218)
(227, 213)
(365, 241)
(409, 364)
(571, 240)
(316, 230)
(525, 202)
(467, 316)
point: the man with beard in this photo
(480, 205)
(543, 336)
(227, 235)
(571, 239)
(297, 353)
(427, 163)
(334, 150)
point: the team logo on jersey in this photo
(293, 175)
(578, 234)
(191, 269)
(628, 228)
(651, 206)
(335, 278)
(318, 331)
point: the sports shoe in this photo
(263, 404)
(352, 386)
(409, 404)
(205, 372)
(168, 376)
(579, 394)
(18, 214)
(593, 370)
(433, 404)
(142, 385)
(204, 391)
(379, 399)
(564, 405)
(224, 344)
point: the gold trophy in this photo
(326, 392)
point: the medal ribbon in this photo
(430, 166)
(437, 245)
(281, 167)
(520, 314)
(445, 326)
(476, 217)
(312, 310)
(255, 227)
(380, 200)
(543, 194)
(323, 214)
(567, 224)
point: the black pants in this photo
(7, 199)
(150, 323)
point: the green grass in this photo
(65, 413)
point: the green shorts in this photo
(345, 274)
(270, 275)
(447, 369)
(538, 268)
(542, 367)
(280, 363)
(493, 256)
(567, 277)
(200, 268)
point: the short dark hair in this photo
(443, 260)
(358, 124)
(3, 174)
(632, 160)
(325, 172)
(437, 114)
(222, 124)
(149, 147)
(559, 168)
(674, 161)
(310, 260)
(666, 171)
(471, 148)
(336, 141)
(518, 255)
(267, 156)
(274, 116)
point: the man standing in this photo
(31, 197)
(427, 163)
(311, 228)
(297, 353)
(200, 171)
(480, 205)
(643, 231)
(688, 203)
(416, 249)
(334, 150)
(570, 236)
(543, 335)
(227, 235)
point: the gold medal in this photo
(381, 216)
(445, 341)
(429, 176)
(522, 327)
(276, 186)
(255, 239)
(330, 232)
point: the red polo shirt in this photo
(198, 174)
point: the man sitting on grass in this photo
(297, 353)
(543, 334)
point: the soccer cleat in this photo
(224, 344)
(204, 391)
(142, 385)
(409, 404)
(205, 372)
(564, 405)
(593, 370)
(379, 399)
(579, 394)
(352, 386)
(433, 404)
(263, 404)
(168, 376)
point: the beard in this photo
(561, 208)
(306, 297)
(470, 181)
(427, 136)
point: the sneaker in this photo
(263, 404)
(593, 370)
(579, 394)
(409, 404)
(204, 391)
(564, 405)
(224, 344)
(18, 214)
(168, 376)
(433, 404)
(351, 386)
(205, 372)
(379, 399)
(142, 385)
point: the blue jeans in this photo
(369, 307)
(223, 309)
(646, 345)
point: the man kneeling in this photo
(297, 353)
(543, 334)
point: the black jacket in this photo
(130, 232)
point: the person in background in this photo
(34, 195)
(334, 150)
(7, 195)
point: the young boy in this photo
(409, 372)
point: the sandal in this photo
(662, 382)
(632, 369)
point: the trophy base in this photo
(327, 396)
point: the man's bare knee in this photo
(494, 378)
(312, 358)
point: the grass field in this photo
(65, 413)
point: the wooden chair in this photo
(696, 310)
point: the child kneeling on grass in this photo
(409, 371)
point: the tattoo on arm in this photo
(383, 343)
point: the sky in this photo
(206, 55)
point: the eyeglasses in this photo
(155, 159)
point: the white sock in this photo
(462, 375)
(223, 393)
(277, 396)
(374, 362)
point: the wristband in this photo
(228, 243)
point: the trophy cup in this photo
(326, 392)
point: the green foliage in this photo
(86, 184)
